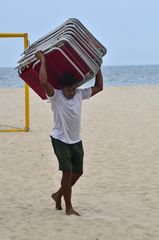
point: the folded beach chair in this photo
(68, 48)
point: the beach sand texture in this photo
(118, 195)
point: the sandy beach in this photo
(118, 195)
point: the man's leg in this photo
(66, 189)
(58, 195)
(70, 157)
(75, 177)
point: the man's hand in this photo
(40, 56)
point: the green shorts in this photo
(70, 156)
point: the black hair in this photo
(67, 80)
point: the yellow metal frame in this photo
(26, 129)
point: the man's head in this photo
(68, 85)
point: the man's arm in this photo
(49, 90)
(98, 86)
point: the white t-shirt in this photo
(67, 115)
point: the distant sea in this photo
(113, 76)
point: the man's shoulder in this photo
(56, 94)
(78, 90)
(85, 93)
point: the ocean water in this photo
(113, 76)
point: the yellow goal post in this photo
(26, 87)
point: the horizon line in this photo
(113, 65)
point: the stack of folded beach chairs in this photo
(68, 48)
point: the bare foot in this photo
(57, 201)
(71, 211)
